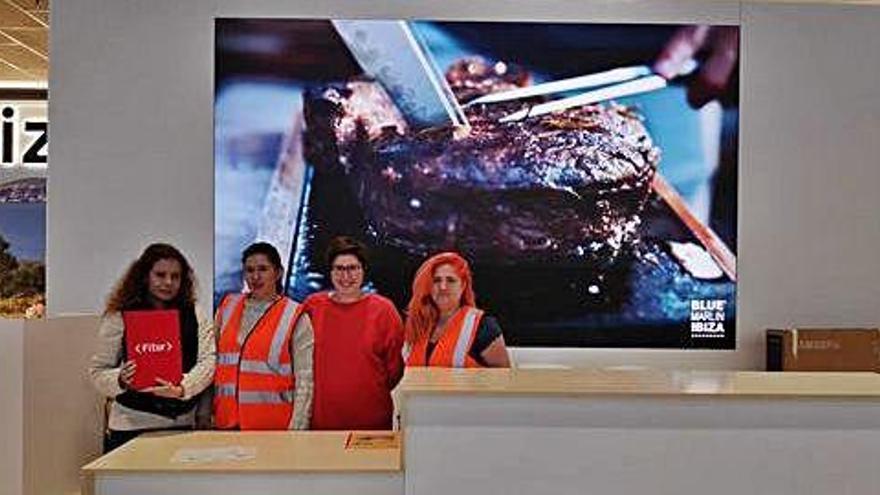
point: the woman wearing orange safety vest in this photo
(264, 353)
(444, 328)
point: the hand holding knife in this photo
(390, 53)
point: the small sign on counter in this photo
(356, 440)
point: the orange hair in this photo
(422, 313)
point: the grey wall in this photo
(50, 416)
(131, 111)
(11, 406)
(63, 415)
(809, 209)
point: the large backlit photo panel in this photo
(587, 171)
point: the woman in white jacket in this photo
(161, 278)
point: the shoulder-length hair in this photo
(132, 290)
(422, 313)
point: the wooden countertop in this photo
(237, 452)
(580, 382)
(281, 451)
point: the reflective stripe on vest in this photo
(260, 367)
(228, 358)
(231, 303)
(224, 390)
(280, 334)
(265, 397)
(465, 337)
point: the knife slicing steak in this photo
(565, 186)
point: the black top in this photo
(487, 331)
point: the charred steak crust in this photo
(563, 186)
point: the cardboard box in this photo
(823, 349)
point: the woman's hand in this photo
(165, 389)
(126, 374)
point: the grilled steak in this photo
(567, 186)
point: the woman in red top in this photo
(444, 328)
(358, 340)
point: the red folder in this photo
(152, 341)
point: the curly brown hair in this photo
(132, 290)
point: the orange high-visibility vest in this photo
(254, 382)
(453, 348)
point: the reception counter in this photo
(638, 432)
(510, 432)
(639, 382)
(220, 463)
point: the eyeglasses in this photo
(346, 268)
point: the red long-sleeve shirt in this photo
(357, 362)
